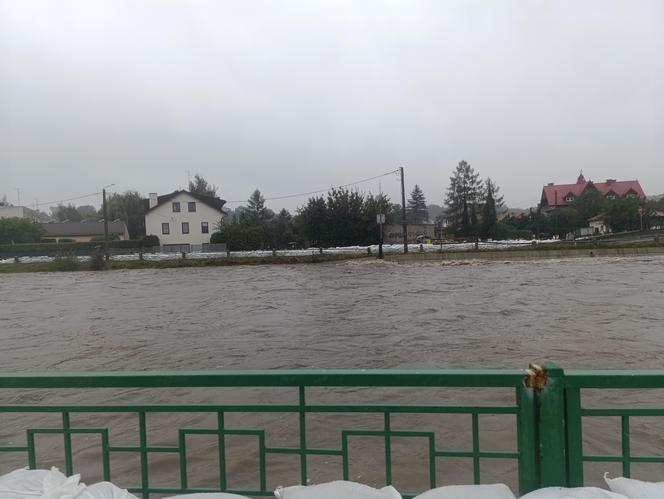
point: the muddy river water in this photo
(580, 313)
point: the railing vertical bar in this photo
(432, 462)
(303, 436)
(105, 456)
(261, 463)
(143, 444)
(553, 462)
(32, 455)
(66, 429)
(388, 449)
(476, 448)
(526, 440)
(344, 457)
(626, 453)
(223, 484)
(574, 436)
(182, 445)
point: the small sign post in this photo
(380, 220)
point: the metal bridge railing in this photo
(547, 409)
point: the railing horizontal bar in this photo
(124, 448)
(194, 490)
(614, 379)
(618, 411)
(348, 408)
(13, 449)
(332, 377)
(313, 452)
(482, 454)
(620, 459)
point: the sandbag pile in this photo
(52, 484)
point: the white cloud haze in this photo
(291, 96)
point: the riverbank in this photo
(580, 250)
(71, 265)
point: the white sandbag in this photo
(336, 490)
(494, 491)
(22, 483)
(59, 486)
(209, 495)
(42, 484)
(635, 489)
(573, 493)
(105, 490)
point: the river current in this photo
(590, 313)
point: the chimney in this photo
(609, 181)
(153, 200)
(550, 184)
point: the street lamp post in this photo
(103, 197)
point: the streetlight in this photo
(103, 197)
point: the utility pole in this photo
(103, 198)
(103, 194)
(403, 212)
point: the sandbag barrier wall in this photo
(547, 408)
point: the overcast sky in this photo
(292, 96)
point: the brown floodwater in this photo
(579, 313)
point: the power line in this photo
(302, 194)
(70, 199)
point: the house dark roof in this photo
(65, 229)
(212, 202)
(555, 194)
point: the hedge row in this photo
(48, 249)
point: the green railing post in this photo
(574, 437)
(552, 436)
(527, 443)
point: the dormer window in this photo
(611, 195)
(569, 198)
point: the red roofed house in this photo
(565, 195)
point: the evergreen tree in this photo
(256, 213)
(129, 208)
(416, 210)
(463, 197)
(200, 186)
(489, 213)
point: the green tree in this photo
(19, 230)
(201, 186)
(492, 201)
(69, 212)
(417, 211)
(238, 237)
(312, 221)
(129, 208)
(622, 214)
(256, 213)
(281, 230)
(463, 196)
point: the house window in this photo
(191, 206)
(569, 198)
(611, 196)
(185, 227)
(165, 229)
(204, 228)
(176, 207)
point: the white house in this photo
(182, 220)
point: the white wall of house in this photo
(164, 214)
(12, 212)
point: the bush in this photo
(111, 237)
(66, 240)
(66, 261)
(97, 261)
(150, 241)
(47, 240)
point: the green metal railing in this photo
(300, 382)
(549, 421)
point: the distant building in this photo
(598, 225)
(657, 220)
(84, 231)
(9, 211)
(393, 233)
(566, 195)
(182, 219)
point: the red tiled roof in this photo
(658, 214)
(555, 194)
